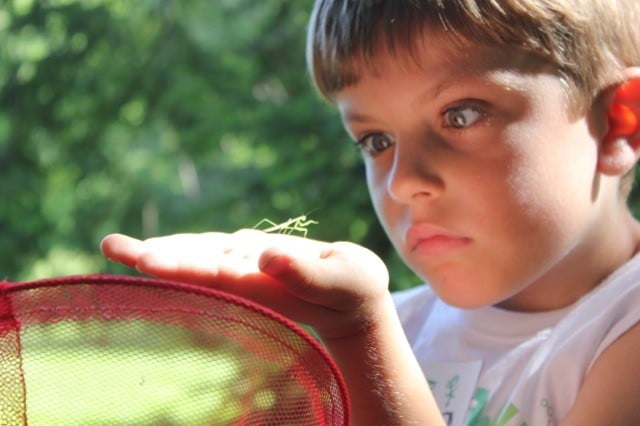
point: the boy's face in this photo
(484, 183)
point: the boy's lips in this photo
(429, 239)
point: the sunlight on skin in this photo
(275, 270)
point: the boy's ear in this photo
(620, 146)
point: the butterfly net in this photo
(106, 349)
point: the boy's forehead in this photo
(444, 63)
(435, 50)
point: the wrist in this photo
(384, 379)
(370, 316)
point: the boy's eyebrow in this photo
(355, 117)
(433, 92)
(429, 93)
(426, 95)
(498, 79)
(491, 74)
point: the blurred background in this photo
(152, 117)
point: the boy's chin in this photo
(468, 296)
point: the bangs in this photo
(344, 37)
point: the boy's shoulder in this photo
(613, 322)
(614, 303)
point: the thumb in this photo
(339, 276)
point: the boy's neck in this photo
(606, 251)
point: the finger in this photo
(338, 275)
(121, 248)
(195, 258)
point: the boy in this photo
(499, 138)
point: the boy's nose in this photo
(412, 178)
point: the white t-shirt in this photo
(490, 366)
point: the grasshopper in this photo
(297, 224)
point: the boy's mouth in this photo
(428, 239)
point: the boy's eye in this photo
(374, 143)
(461, 117)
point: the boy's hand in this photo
(333, 287)
(340, 289)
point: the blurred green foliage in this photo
(151, 117)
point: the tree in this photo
(157, 116)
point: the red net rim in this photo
(6, 310)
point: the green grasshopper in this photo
(297, 224)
